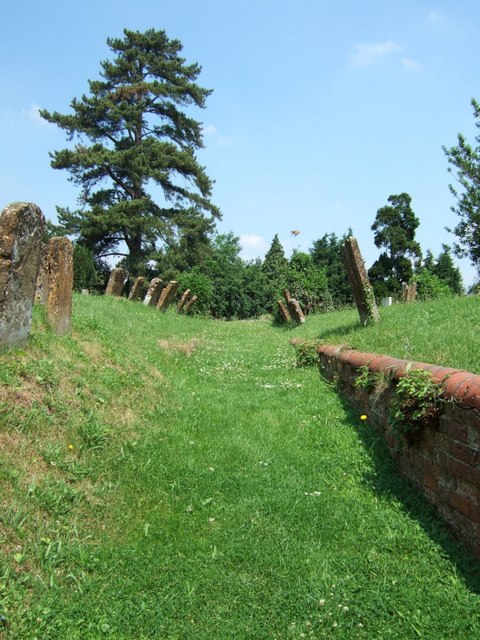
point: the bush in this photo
(84, 273)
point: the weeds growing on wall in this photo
(417, 404)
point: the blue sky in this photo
(321, 108)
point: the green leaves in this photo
(132, 134)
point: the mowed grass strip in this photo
(202, 486)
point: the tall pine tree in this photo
(132, 134)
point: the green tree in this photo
(394, 230)
(465, 166)
(274, 267)
(308, 283)
(133, 134)
(84, 273)
(448, 273)
(327, 255)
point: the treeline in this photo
(229, 287)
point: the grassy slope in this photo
(443, 332)
(170, 477)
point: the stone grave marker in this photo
(296, 311)
(153, 292)
(167, 295)
(183, 300)
(60, 285)
(136, 290)
(116, 282)
(359, 282)
(190, 304)
(21, 230)
(409, 291)
(282, 307)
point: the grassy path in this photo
(221, 492)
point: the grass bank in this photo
(440, 331)
(173, 477)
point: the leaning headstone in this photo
(116, 282)
(190, 304)
(153, 293)
(60, 285)
(282, 308)
(287, 295)
(359, 282)
(409, 291)
(136, 290)
(296, 311)
(41, 292)
(167, 295)
(183, 300)
(21, 230)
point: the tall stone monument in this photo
(116, 282)
(21, 230)
(60, 285)
(153, 292)
(167, 295)
(136, 290)
(359, 282)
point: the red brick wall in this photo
(445, 462)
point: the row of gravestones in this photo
(21, 255)
(158, 295)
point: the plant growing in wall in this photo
(417, 403)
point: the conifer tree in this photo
(132, 133)
(394, 227)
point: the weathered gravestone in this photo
(21, 230)
(190, 304)
(60, 285)
(136, 290)
(167, 295)
(359, 282)
(284, 314)
(116, 282)
(409, 291)
(183, 300)
(295, 310)
(153, 292)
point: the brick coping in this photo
(457, 384)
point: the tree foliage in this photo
(327, 255)
(464, 160)
(394, 230)
(308, 283)
(133, 133)
(275, 267)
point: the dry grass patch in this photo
(186, 348)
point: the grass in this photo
(438, 331)
(173, 477)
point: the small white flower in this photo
(321, 602)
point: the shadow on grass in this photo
(347, 329)
(386, 481)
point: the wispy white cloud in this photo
(410, 65)
(366, 54)
(33, 114)
(253, 246)
(436, 17)
(210, 130)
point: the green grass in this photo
(173, 477)
(440, 331)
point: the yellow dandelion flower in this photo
(363, 417)
(70, 446)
